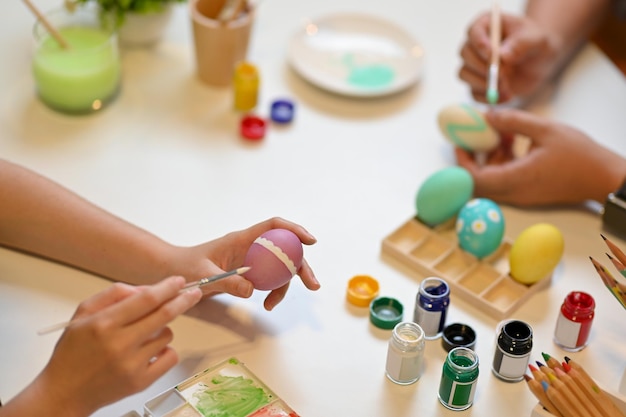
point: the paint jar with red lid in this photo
(574, 322)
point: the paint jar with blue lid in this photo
(513, 348)
(405, 353)
(431, 306)
(458, 379)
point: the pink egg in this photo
(274, 258)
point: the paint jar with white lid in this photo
(405, 353)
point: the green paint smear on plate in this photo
(371, 76)
(368, 76)
(230, 397)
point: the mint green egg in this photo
(443, 194)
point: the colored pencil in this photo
(587, 389)
(609, 282)
(191, 285)
(615, 250)
(568, 390)
(545, 369)
(551, 362)
(618, 265)
(576, 403)
(577, 391)
(542, 397)
(600, 399)
(559, 401)
(537, 374)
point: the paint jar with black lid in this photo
(513, 348)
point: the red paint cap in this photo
(252, 127)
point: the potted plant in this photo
(139, 22)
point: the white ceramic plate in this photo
(356, 55)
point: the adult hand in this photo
(528, 57)
(228, 252)
(563, 165)
(117, 345)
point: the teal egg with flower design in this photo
(480, 227)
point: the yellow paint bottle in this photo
(246, 86)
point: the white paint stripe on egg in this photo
(282, 256)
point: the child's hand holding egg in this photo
(274, 258)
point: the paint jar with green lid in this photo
(458, 379)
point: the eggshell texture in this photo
(480, 227)
(535, 253)
(442, 195)
(466, 127)
(273, 258)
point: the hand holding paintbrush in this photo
(189, 286)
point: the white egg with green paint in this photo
(467, 128)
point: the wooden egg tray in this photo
(485, 283)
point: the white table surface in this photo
(167, 156)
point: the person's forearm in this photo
(41, 217)
(41, 398)
(570, 22)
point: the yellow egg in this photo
(535, 253)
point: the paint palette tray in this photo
(485, 283)
(226, 389)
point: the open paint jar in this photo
(84, 76)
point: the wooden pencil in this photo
(542, 397)
(609, 282)
(577, 391)
(577, 405)
(615, 250)
(591, 389)
(560, 402)
(545, 369)
(617, 264)
(551, 361)
(537, 374)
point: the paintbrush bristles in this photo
(208, 280)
